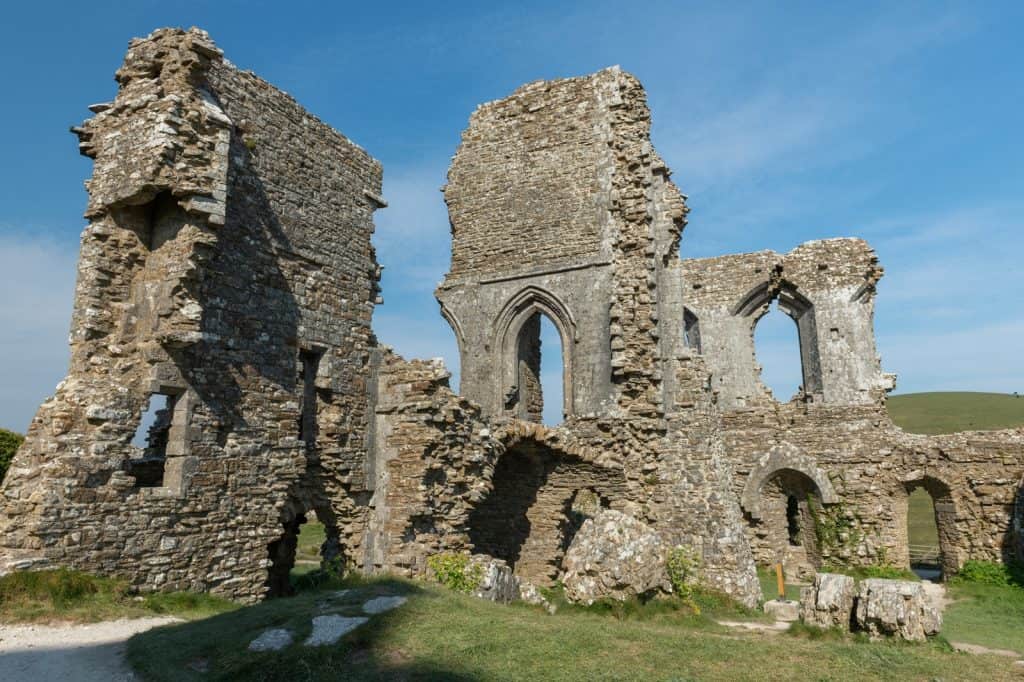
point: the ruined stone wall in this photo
(635, 393)
(227, 264)
(827, 287)
(836, 435)
(872, 465)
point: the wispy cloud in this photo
(801, 114)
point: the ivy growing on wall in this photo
(834, 528)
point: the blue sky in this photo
(896, 122)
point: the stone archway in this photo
(944, 507)
(531, 514)
(778, 499)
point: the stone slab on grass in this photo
(329, 629)
(274, 639)
(828, 601)
(783, 609)
(382, 604)
(896, 608)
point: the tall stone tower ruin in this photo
(226, 277)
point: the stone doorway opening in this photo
(930, 525)
(786, 532)
(540, 499)
(310, 543)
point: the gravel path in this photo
(83, 653)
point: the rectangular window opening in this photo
(151, 440)
(309, 361)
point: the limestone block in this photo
(614, 555)
(896, 608)
(828, 602)
(783, 609)
(497, 583)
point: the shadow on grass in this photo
(217, 648)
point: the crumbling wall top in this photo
(530, 186)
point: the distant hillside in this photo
(952, 411)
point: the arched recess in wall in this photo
(782, 496)
(310, 540)
(757, 304)
(518, 352)
(540, 497)
(456, 326)
(931, 543)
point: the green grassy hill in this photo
(949, 412)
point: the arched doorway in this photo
(786, 530)
(539, 500)
(930, 526)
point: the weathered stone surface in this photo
(329, 629)
(227, 265)
(227, 270)
(614, 556)
(782, 609)
(274, 639)
(497, 583)
(896, 608)
(828, 601)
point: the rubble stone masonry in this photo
(227, 264)
(227, 281)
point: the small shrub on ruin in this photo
(991, 573)
(834, 528)
(454, 571)
(681, 566)
(9, 444)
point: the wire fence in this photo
(924, 554)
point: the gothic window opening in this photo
(777, 344)
(540, 372)
(691, 330)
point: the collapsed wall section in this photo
(827, 287)
(227, 270)
(825, 478)
(561, 207)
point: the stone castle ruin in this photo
(227, 282)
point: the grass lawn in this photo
(440, 634)
(990, 615)
(65, 595)
(311, 537)
(770, 588)
(949, 412)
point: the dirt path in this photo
(84, 653)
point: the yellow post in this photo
(781, 583)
